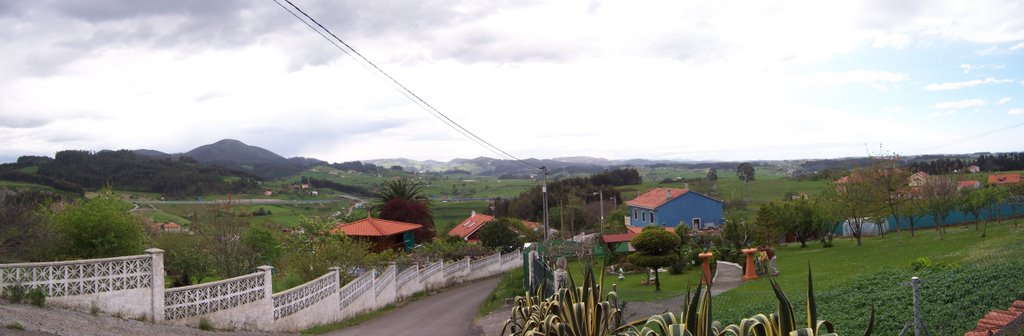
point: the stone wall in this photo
(133, 286)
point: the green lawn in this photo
(632, 287)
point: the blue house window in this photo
(652, 216)
(635, 215)
(645, 217)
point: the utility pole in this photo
(544, 191)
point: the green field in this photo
(448, 214)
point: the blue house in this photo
(669, 207)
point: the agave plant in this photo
(571, 311)
(580, 311)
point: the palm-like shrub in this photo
(582, 311)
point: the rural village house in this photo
(669, 207)
(468, 228)
(384, 234)
(1002, 179)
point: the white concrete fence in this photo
(133, 287)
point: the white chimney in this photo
(668, 194)
(473, 213)
(686, 185)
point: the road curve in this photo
(447, 313)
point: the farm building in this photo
(669, 207)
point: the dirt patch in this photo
(57, 321)
(491, 324)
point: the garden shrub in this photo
(15, 293)
(37, 296)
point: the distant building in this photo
(918, 179)
(969, 184)
(268, 193)
(973, 169)
(669, 207)
(1002, 179)
(167, 227)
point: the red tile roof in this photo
(999, 179)
(470, 225)
(997, 319)
(618, 238)
(656, 197)
(967, 184)
(532, 225)
(171, 225)
(374, 227)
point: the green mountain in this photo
(230, 150)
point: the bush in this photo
(14, 326)
(15, 293)
(205, 325)
(37, 297)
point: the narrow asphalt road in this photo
(449, 313)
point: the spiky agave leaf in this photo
(692, 309)
(812, 308)
(786, 321)
(871, 321)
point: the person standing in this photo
(770, 253)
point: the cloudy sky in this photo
(690, 80)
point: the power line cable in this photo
(982, 134)
(405, 91)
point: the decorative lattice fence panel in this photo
(298, 298)
(203, 299)
(384, 280)
(81, 277)
(356, 287)
(454, 267)
(406, 275)
(431, 269)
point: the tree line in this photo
(987, 162)
(76, 170)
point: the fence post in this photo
(156, 285)
(268, 291)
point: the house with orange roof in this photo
(384, 234)
(669, 207)
(1002, 179)
(918, 179)
(467, 228)
(968, 184)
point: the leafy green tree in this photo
(99, 228)
(655, 248)
(857, 200)
(913, 209)
(745, 171)
(312, 249)
(885, 173)
(26, 231)
(942, 197)
(739, 228)
(499, 234)
(683, 231)
(712, 174)
(186, 258)
(262, 245)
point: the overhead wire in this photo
(982, 134)
(398, 86)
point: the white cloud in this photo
(967, 68)
(940, 114)
(960, 104)
(873, 79)
(965, 84)
(1016, 111)
(987, 51)
(1003, 100)
(1016, 47)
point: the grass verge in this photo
(355, 320)
(510, 286)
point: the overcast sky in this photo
(688, 80)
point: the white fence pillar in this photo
(157, 284)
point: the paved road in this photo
(449, 313)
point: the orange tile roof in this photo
(999, 179)
(374, 227)
(171, 225)
(470, 225)
(656, 197)
(967, 184)
(618, 238)
(532, 225)
(997, 319)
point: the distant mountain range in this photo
(234, 154)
